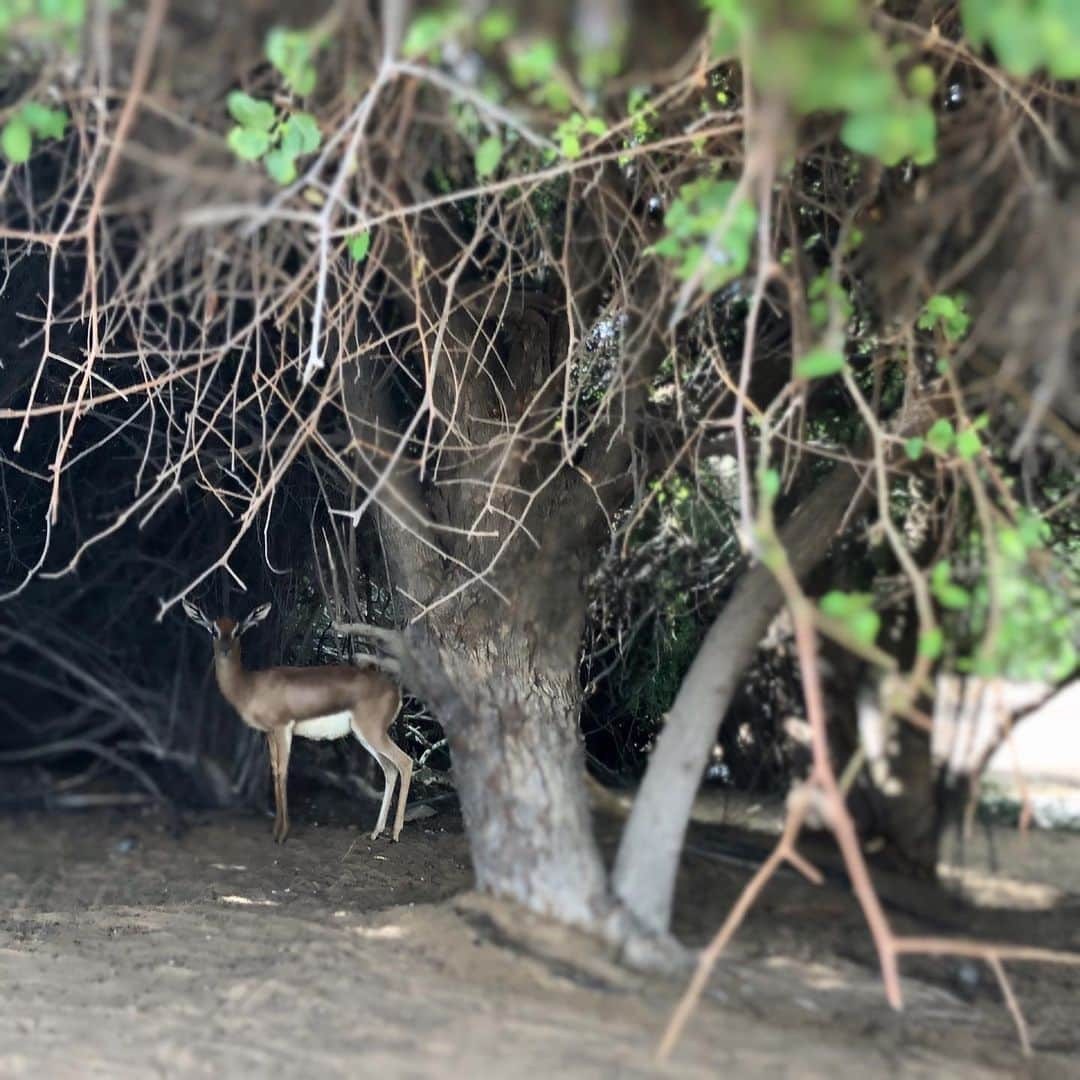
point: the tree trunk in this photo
(648, 858)
(510, 711)
(496, 656)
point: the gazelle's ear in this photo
(256, 616)
(195, 614)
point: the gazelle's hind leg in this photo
(390, 775)
(394, 762)
(403, 763)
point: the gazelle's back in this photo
(303, 693)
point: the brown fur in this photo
(274, 700)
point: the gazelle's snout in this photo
(225, 637)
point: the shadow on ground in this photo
(131, 948)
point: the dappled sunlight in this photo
(379, 933)
(997, 891)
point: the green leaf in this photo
(940, 575)
(836, 604)
(949, 313)
(1033, 530)
(893, 132)
(44, 122)
(303, 81)
(533, 63)
(954, 597)
(730, 21)
(864, 625)
(64, 12)
(249, 112)
(599, 63)
(569, 132)
(427, 31)
(358, 245)
(968, 443)
(16, 141)
(300, 134)
(940, 436)
(248, 144)
(555, 95)
(496, 25)
(937, 307)
(488, 156)
(570, 146)
(770, 484)
(280, 48)
(291, 52)
(855, 611)
(913, 447)
(922, 81)
(823, 295)
(1027, 34)
(949, 595)
(819, 363)
(703, 225)
(932, 643)
(1011, 544)
(281, 165)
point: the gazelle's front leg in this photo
(280, 741)
(271, 746)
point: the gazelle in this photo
(314, 703)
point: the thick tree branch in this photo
(648, 856)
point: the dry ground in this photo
(131, 947)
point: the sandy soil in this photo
(131, 947)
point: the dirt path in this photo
(126, 950)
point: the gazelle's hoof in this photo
(376, 833)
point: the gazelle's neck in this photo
(232, 679)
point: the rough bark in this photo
(648, 857)
(500, 668)
(510, 712)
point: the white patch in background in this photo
(1037, 763)
(332, 726)
(971, 714)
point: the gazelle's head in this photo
(225, 631)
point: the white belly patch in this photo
(333, 726)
